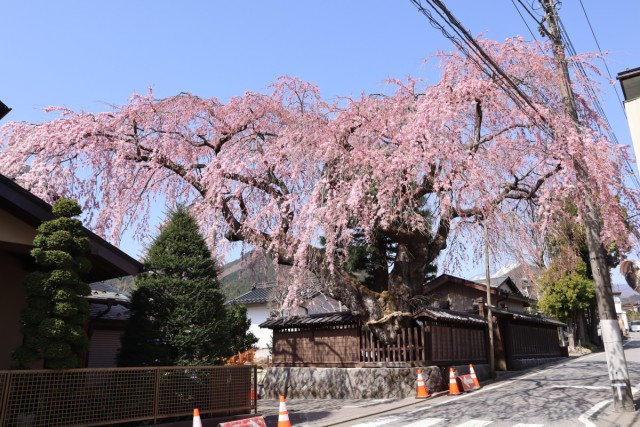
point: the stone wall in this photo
(349, 383)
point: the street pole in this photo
(611, 335)
(492, 360)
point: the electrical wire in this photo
(590, 91)
(481, 58)
(523, 20)
(615, 88)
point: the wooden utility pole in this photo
(611, 334)
(492, 359)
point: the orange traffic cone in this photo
(453, 383)
(196, 418)
(423, 393)
(473, 376)
(283, 415)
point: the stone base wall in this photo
(350, 383)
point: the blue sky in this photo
(88, 55)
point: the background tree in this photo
(178, 315)
(568, 253)
(278, 170)
(56, 312)
(567, 295)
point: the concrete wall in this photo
(13, 301)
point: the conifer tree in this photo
(178, 313)
(56, 308)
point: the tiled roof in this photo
(260, 295)
(529, 317)
(116, 312)
(255, 296)
(104, 296)
(495, 281)
(102, 291)
(325, 319)
(450, 316)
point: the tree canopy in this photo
(279, 170)
(178, 313)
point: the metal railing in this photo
(91, 397)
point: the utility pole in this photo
(611, 334)
(492, 359)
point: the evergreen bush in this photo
(56, 309)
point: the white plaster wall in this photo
(258, 313)
(632, 108)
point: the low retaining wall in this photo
(349, 383)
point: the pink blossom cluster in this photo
(279, 170)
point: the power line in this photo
(523, 20)
(615, 88)
(485, 62)
(589, 90)
(594, 97)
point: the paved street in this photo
(569, 394)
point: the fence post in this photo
(156, 395)
(4, 398)
(255, 389)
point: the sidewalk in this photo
(328, 412)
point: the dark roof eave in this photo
(628, 73)
(33, 210)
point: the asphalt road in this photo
(571, 394)
(575, 393)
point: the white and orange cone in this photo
(197, 422)
(283, 414)
(423, 393)
(453, 383)
(473, 376)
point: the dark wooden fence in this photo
(92, 397)
(336, 345)
(455, 343)
(356, 346)
(431, 342)
(526, 341)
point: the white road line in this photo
(588, 387)
(585, 418)
(528, 425)
(475, 423)
(369, 403)
(380, 422)
(427, 422)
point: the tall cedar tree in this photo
(178, 313)
(56, 311)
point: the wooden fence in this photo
(525, 341)
(356, 346)
(92, 397)
(433, 342)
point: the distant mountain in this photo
(253, 267)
